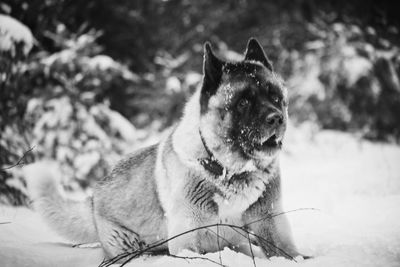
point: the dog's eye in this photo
(243, 103)
(276, 99)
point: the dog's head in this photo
(243, 104)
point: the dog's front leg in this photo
(180, 235)
(274, 236)
(181, 229)
(270, 225)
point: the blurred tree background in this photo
(84, 82)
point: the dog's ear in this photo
(212, 68)
(254, 51)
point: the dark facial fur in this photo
(254, 99)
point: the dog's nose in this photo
(275, 119)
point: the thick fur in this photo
(163, 190)
(72, 219)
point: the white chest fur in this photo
(232, 205)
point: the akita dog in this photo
(219, 165)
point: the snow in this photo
(354, 186)
(193, 78)
(116, 121)
(355, 66)
(104, 62)
(173, 85)
(12, 32)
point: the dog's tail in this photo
(71, 219)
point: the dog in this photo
(217, 169)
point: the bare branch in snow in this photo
(20, 161)
(219, 248)
(251, 251)
(270, 216)
(187, 258)
(242, 230)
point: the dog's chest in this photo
(232, 205)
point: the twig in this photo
(5, 222)
(197, 258)
(19, 162)
(108, 262)
(270, 216)
(274, 246)
(219, 248)
(251, 250)
(133, 254)
(268, 244)
(130, 258)
(223, 238)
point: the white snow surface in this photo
(354, 185)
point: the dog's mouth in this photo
(261, 146)
(268, 143)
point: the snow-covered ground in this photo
(354, 185)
